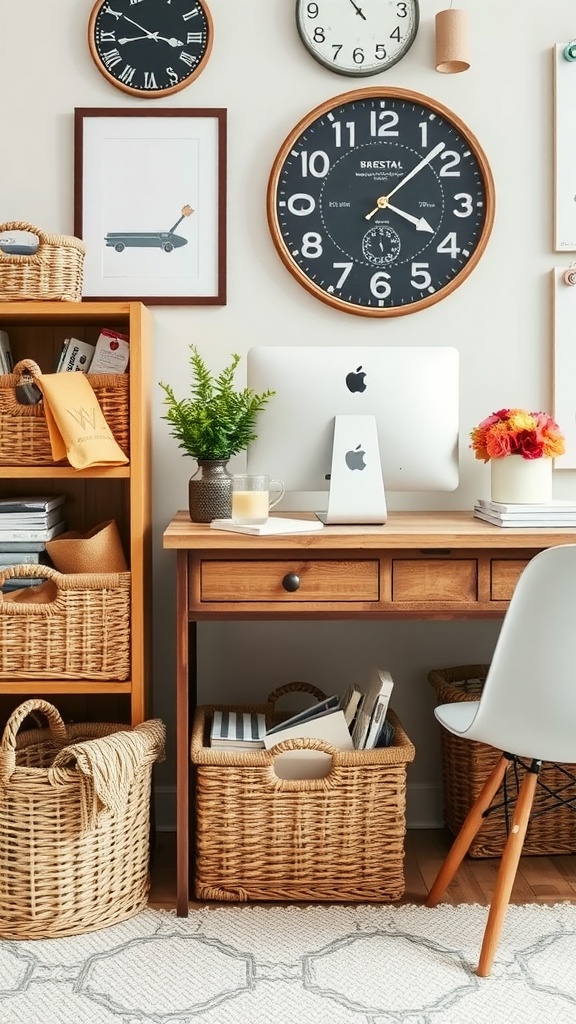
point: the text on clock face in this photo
(149, 48)
(391, 165)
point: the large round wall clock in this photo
(150, 48)
(357, 37)
(380, 202)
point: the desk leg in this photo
(182, 736)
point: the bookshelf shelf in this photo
(37, 331)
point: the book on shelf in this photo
(520, 522)
(34, 535)
(236, 730)
(6, 360)
(20, 557)
(556, 507)
(12, 546)
(372, 710)
(32, 503)
(75, 355)
(29, 520)
(14, 583)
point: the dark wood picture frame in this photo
(121, 257)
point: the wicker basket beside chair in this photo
(466, 764)
(74, 823)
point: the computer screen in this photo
(408, 396)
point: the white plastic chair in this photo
(527, 709)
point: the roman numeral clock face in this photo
(150, 47)
(380, 202)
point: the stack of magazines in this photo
(546, 514)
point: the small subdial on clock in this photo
(381, 245)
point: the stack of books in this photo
(355, 721)
(546, 514)
(26, 523)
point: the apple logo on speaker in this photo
(355, 458)
(355, 380)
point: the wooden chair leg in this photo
(470, 827)
(507, 873)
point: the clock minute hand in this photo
(150, 35)
(415, 170)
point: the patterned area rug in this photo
(286, 965)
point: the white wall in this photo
(500, 318)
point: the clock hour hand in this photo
(132, 39)
(358, 10)
(172, 41)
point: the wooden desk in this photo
(420, 565)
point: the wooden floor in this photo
(539, 879)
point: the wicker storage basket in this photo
(73, 626)
(260, 837)
(24, 439)
(54, 271)
(74, 823)
(466, 764)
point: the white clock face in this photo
(357, 37)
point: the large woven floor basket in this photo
(24, 437)
(71, 626)
(466, 765)
(261, 837)
(74, 823)
(55, 271)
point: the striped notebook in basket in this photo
(233, 729)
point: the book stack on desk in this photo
(546, 514)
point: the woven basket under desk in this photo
(259, 837)
(466, 765)
(81, 630)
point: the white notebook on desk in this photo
(274, 526)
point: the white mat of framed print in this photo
(150, 204)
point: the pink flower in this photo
(533, 435)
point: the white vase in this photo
(521, 481)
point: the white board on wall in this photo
(564, 151)
(565, 365)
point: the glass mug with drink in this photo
(251, 501)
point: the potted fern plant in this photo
(216, 422)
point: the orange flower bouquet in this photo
(533, 435)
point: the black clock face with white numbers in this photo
(150, 48)
(380, 202)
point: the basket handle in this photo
(330, 780)
(21, 225)
(11, 572)
(27, 367)
(8, 745)
(295, 687)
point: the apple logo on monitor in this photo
(355, 380)
(355, 458)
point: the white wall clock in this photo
(357, 37)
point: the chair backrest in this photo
(528, 704)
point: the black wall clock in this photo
(357, 37)
(380, 202)
(150, 47)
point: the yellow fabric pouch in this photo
(76, 425)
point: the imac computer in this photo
(357, 422)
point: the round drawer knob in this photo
(291, 582)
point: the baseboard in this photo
(423, 806)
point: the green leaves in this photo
(217, 421)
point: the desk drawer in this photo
(441, 580)
(504, 575)
(322, 580)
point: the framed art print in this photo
(565, 364)
(150, 204)
(564, 163)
